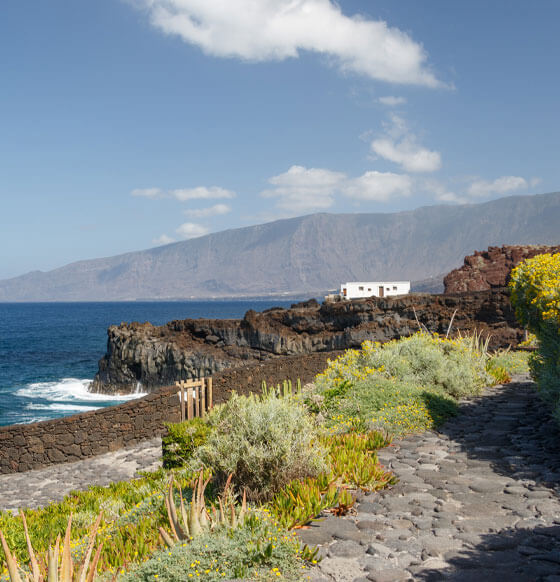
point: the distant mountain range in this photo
(307, 255)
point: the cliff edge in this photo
(158, 356)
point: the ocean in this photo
(49, 351)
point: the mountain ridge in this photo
(302, 255)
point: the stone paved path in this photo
(478, 501)
(40, 487)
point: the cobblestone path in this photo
(41, 486)
(477, 501)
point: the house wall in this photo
(361, 289)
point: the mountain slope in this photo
(308, 254)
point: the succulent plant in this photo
(281, 390)
(66, 571)
(190, 520)
(353, 461)
(302, 500)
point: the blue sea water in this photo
(49, 351)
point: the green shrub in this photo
(257, 550)
(535, 295)
(265, 442)
(181, 440)
(454, 366)
(513, 362)
(388, 404)
(403, 386)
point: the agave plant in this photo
(194, 517)
(66, 571)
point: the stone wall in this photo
(32, 446)
(249, 378)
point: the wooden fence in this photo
(195, 397)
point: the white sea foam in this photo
(30, 420)
(71, 390)
(58, 406)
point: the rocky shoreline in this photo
(476, 298)
(157, 356)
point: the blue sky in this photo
(126, 124)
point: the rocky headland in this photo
(158, 356)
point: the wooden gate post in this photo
(198, 398)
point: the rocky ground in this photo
(39, 487)
(477, 501)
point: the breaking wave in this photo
(71, 390)
(45, 400)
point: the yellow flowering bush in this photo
(456, 366)
(403, 386)
(535, 295)
(535, 291)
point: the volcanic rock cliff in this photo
(157, 356)
(490, 269)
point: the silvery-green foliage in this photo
(256, 551)
(265, 442)
(454, 366)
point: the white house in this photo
(359, 289)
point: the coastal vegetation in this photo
(292, 453)
(535, 295)
(265, 442)
(406, 385)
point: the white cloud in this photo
(378, 186)
(408, 154)
(451, 197)
(391, 101)
(302, 189)
(442, 193)
(476, 189)
(534, 182)
(307, 189)
(503, 185)
(192, 230)
(148, 192)
(184, 194)
(201, 193)
(163, 240)
(400, 146)
(274, 30)
(215, 210)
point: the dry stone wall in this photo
(31, 446)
